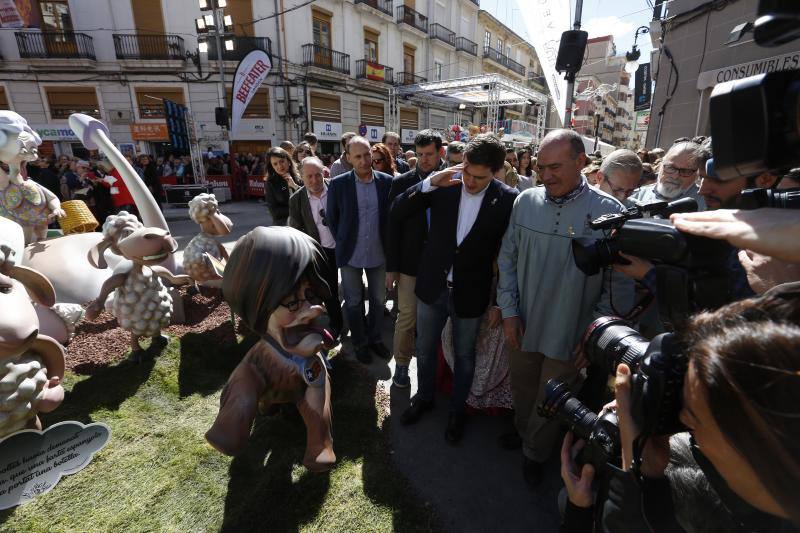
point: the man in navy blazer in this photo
(357, 214)
(469, 213)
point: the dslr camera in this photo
(658, 369)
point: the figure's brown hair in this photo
(747, 355)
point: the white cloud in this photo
(611, 25)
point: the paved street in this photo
(471, 486)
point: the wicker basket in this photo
(79, 218)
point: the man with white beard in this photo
(677, 178)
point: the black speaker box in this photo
(571, 50)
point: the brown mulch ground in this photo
(101, 342)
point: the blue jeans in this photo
(353, 287)
(431, 319)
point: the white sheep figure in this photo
(24, 201)
(141, 303)
(204, 210)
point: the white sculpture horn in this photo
(95, 135)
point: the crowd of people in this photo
(469, 240)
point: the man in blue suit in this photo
(357, 214)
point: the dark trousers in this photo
(431, 319)
(332, 304)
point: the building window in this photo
(3, 99)
(438, 67)
(325, 108)
(487, 39)
(372, 113)
(258, 106)
(500, 45)
(64, 101)
(150, 100)
(321, 28)
(55, 15)
(371, 45)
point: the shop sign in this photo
(710, 78)
(328, 131)
(408, 136)
(374, 134)
(50, 132)
(149, 131)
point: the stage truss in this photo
(490, 91)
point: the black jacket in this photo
(300, 216)
(276, 195)
(406, 240)
(402, 166)
(473, 260)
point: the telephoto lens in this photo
(610, 340)
(758, 198)
(601, 433)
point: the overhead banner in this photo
(643, 87)
(250, 74)
(545, 21)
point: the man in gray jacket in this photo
(546, 302)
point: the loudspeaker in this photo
(571, 50)
(221, 117)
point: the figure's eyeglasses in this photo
(684, 172)
(310, 296)
(324, 218)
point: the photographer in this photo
(739, 402)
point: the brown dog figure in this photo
(141, 303)
(274, 280)
(31, 365)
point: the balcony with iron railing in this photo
(370, 70)
(437, 31)
(51, 44)
(241, 47)
(502, 59)
(63, 111)
(408, 78)
(384, 6)
(149, 46)
(318, 56)
(464, 44)
(411, 17)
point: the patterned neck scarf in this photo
(570, 196)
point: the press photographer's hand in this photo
(577, 480)
(655, 455)
(773, 232)
(637, 269)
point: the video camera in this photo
(658, 369)
(691, 272)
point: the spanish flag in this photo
(375, 72)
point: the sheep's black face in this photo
(147, 246)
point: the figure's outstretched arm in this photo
(96, 307)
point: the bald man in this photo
(546, 301)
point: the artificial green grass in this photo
(157, 473)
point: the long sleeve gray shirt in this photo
(539, 281)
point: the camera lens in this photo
(593, 256)
(559, 404)
(610, 341)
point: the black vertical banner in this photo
(175, 115)
(643, 87)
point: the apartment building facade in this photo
(333, 64)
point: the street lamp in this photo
(632, 57)
(214, 23)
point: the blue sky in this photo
(619, 18)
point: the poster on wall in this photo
(250, 74)
(19, 14)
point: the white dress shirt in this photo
(468, 208)
(317, 206)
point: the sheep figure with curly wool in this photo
(141, 303)
(31, 364)
(197, 263)
(274, 280)
(24, 201)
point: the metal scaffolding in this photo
(490, 91)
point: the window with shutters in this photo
(321, 28)
(372, 113)
(150, 100)
(325, 108)
(371, 45)
(409, 118)
(258, 107)
(63, 101)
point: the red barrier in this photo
(169, 180)
(255, 187)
